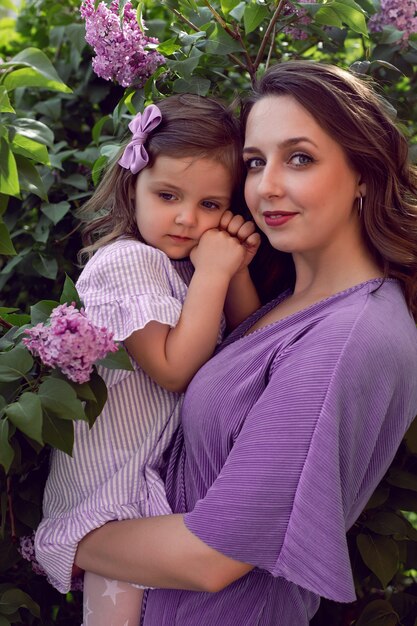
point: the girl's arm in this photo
(171, 356)
(242, 298)
(157, 552)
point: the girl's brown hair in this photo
(191, 126)
(354, 115)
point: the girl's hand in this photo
(218, 251)
(245, 231)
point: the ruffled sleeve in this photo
(309, 454)
(128, 284)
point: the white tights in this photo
(110, 602)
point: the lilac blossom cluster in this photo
(301, 17)
(123, 52)
(70, 342)
(402, 14)
(27, 552)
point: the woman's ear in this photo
(361, 189)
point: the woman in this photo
(289, 428)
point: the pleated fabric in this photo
(285, 434)
(114, 471)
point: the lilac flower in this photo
(402, 14)
(123, 53)
(70, 342)
(302, 18)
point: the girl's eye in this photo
(254, 163)
(165, 195)
(300, 159)
(212, 206)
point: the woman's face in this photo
(300, 187)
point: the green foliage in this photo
(59, 124)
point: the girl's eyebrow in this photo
(291, 141)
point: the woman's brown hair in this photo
(191, 126)
(353, 114)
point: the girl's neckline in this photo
(247, 332)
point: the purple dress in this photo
(285, 434)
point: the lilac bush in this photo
(301, 18)
(402, 14)
(70, 342)
(123, 52)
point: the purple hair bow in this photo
(135, 157)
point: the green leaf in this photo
(39, 73)
(30, 149)
(117, 360)
(196, 84)
(380, 555)
(5, 106)
(339, 12)
(403, 479)
(6, 450)
(58, 433)
(47, 267)
(387, 523)
(9, 180)
(378, 613)
(98, 169)
(29, 178)
(26, 415)
(98, 127)
(69, 293)
(168, 47)
(185, 68)
(16, 599)
(58, 397)
(15, 364)
(56, 211)
(228, 5)
(93, 408)
(38, 131)
(253, 16)
(411, 437)
(40, 311)
(6, 244)
(221, 43)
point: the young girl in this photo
(165, 200)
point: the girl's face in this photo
(178, 199)
(300, 187)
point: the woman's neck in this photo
(334, 270)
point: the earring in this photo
(360, 206)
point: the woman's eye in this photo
(300, 159)
(254, 162)
(165, 195)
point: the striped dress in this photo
(285, 434)
(113, 473)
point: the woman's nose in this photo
(271, 183)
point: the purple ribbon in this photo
(135, 157)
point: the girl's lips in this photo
(178, 238)
(277, 218)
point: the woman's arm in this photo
(171, 356)
(157, 552)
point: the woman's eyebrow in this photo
(291, 141)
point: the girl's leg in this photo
(110, 602)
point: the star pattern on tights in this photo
(87, 612)
(112, 590)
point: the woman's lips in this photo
(277, 218)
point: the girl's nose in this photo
(186, 216)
